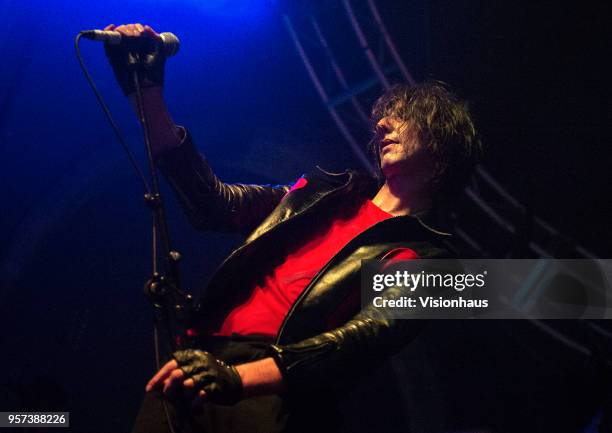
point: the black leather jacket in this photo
(308, 350)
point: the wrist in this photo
(260, 378)
(163, 132)
(150, 95)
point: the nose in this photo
(384, 126)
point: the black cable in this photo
(160, 224)
(108, 115)
(147, 192)
(158, 365)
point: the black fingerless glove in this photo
(220, 381)
(123, 58)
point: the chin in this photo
(393, 168)
(401, 168)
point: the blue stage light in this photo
(230, 8)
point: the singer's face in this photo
(401, 151)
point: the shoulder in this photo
(352, 180)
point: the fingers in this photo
(173, 382)
(162, 375)
(199, 400)
(171, 378)
(150, 32)
(189, 383)
(109, 27)
(134, 30)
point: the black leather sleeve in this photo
(209, 203)
(343, 354)
(354, 349)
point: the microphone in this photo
(169, 42)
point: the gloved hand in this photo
(220, 381)
(144, 41)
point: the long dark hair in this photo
(443, 123)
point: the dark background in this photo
(75, 237)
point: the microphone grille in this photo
(171, 43)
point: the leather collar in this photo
(430, 219)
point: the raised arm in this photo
(209, 203)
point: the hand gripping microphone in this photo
(169, 42)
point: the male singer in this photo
(279, 335)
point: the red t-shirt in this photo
(263, 312)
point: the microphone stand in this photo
(172, 307)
